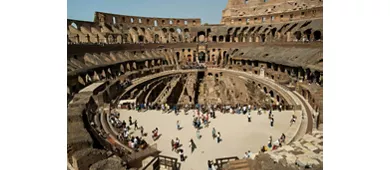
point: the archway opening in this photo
(201, 36)
(273, 31)
(227, 38)
(220, 39)
(307, 33)
(214, 38)
(178, 57)
(141, 38)
(297, 35)
(156, 38)
(202, 57)
(317, 35)
(262, 36)
(271, 93)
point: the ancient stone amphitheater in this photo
(265, 53)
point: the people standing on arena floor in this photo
(214, 133)
(218, 137)
(192, 145)
(135, 124)
(178, 125)
(198, 134)
(181, 153)
(130, 121)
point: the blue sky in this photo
(210, 11)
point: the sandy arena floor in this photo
(238, 135)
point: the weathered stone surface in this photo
(277, 40)
(112, 163)
(83, 159)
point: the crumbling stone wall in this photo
(83, 159)
(113, 163)
(241, 12)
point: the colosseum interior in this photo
(265, 54)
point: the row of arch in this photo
(306, 35)
(155, 22)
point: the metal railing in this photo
(222, 161)
(162, 160)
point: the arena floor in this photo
(238, 135)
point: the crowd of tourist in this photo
(201, 119)
(274, 145)
(124, 135)
(233, 109)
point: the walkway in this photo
(238, 136)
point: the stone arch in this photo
(141, 38)
(317, 35)
(262, 37)
(307, 33)
(227, 38)
(214, 38)
(119, 39)
(178, 56)
(271, 93)
(156, 38)
(110, 39)
(220, 38)
(201, 36)
(202, 57)
(125, 38)
(165, 30)
(298, 35)
(273, 32)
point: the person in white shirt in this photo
(246, 156)
(249, 154)
(218, 137)
(249, 117)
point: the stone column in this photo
(262, 72)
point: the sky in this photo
(210, 11)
